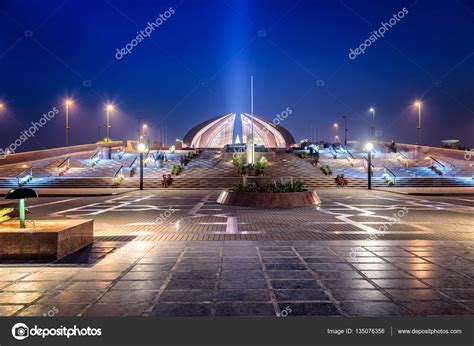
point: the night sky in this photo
(197, 64)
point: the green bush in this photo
(261, 164)
(326, 169)
(175, 169)
(297, 186)
(303, 155)
(238, 163)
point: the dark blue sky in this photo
(198, 63)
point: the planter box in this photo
(269, 199)
(48, 239)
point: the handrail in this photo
(350, 154)
(62, 163)
(371, 164)
(147, 153)
(93, 156)
(439, 163)
(135, 159)
(119, 171)
(390, 171)
(335, 152)
(19, 176)
(402, 155)
(121, 153)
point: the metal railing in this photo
(146, 155)
(25, 177)
(133, 162)
(371, 164)
(94, 158)
(439, 163)
(119, 171)
(386, 169)
(120, 153)
(63, 166)
(402, 155)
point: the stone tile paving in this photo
(250, 278)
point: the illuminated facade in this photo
(217, 132)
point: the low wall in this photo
(426, 150)
(269, 199)
(52, 153)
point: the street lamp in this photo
(336, 126)
(1, 105)
(369, 147)
(68, 103)
(109, 109)
(345, 130)
(418, 104)
(141, 148)
(145, 127)
(21, 194)
(372, 110)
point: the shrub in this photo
(326, 169)
(303, 155)
(238, 163)
(297, 186)
(261, 164)
(175, 169)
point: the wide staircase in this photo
(209, 170)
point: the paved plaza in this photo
(179, 253)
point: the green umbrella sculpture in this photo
(21, 193)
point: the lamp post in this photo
(251, 143)
(336, 126)
(109, 109)
(418, 105)
(141, 148)
(68, 103)
(345, 130)
(145, 134)
(369, 147)
(21, 194)
(372, 110)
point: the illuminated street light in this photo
(418, 105)
(336, 126)
(68, 103)
(372, 110)
(109, 109)
(144, 134)
(1, 106)
(369, 147)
